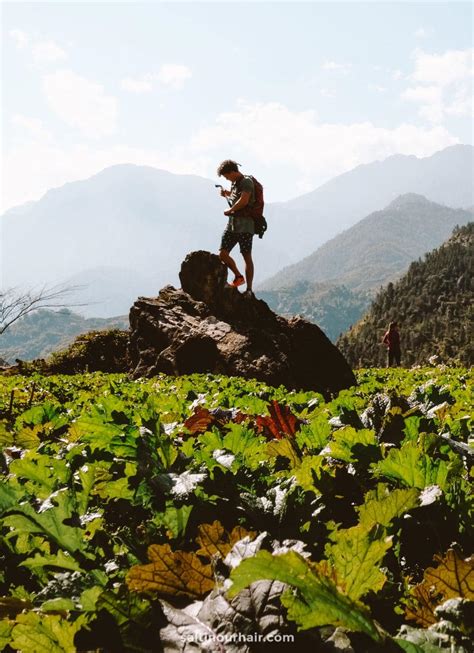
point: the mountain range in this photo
(141, 222)
(334, 285)
(378, 248)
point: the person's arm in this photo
(240, 204)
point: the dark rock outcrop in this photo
(208, 326)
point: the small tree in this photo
(15, 303)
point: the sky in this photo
(297, 92)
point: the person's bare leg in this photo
(248, 270)
(226, 258)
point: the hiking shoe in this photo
(249, 294)
(238, 281)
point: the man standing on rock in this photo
(240, 226)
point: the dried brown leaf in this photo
(171, 573)
(422, 605)
(452, 577)
(214, 540)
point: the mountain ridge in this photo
(377, 248)
(147, 220)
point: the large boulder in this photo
(208, 326)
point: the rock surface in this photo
(208, 326)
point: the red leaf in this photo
(281, 422)
(200, 421)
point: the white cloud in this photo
(41, 51)
(443, 84)
(319, 151)
(461, 103)
(21, 38)
(47, 52)
(81, 103)
(443, 69)
(343, 68)
(143, 84)
(259, 134)
(397, 74)
(173, 75)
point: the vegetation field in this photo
(208, 513)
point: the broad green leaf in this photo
(309, 470)
(412, 467)
(349, 444)
(95, 432)
(6, 628)
(57, 605)
(60, 559)
(174, 519)
(89, 597)
(49, 521)
(355, 556)
(412, 426)
(6, 435)
(45, 473)
(314, 435)
(124, 609)
(285, 448)
(317, 602)
(9, 496)
(44, 414)
(383, 505)
(28, 437)
(49, 633)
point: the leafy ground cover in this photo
(208, 513)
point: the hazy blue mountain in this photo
(126, 216)
(106, 291)
(145, 220)
(378, 248)
(308, 221)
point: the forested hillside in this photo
(433, 304)
(42, 332)
(331, 307)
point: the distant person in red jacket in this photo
(391, 340)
